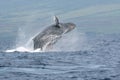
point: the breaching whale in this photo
(52, 34)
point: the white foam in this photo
(23, 49)
(69, 42)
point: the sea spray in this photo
(73, 41)
(27, 32)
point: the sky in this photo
(31, 16)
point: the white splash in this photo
(19, 49)
(73, 41)
(23, 49)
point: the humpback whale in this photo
(52, 34)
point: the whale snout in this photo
(70, 27)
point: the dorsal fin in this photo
(56, 20)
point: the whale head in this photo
(66, 27)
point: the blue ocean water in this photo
(98, 60)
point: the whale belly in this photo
(44, 42)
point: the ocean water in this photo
(98, 60)
(90, 52)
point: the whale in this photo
(50, 35)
